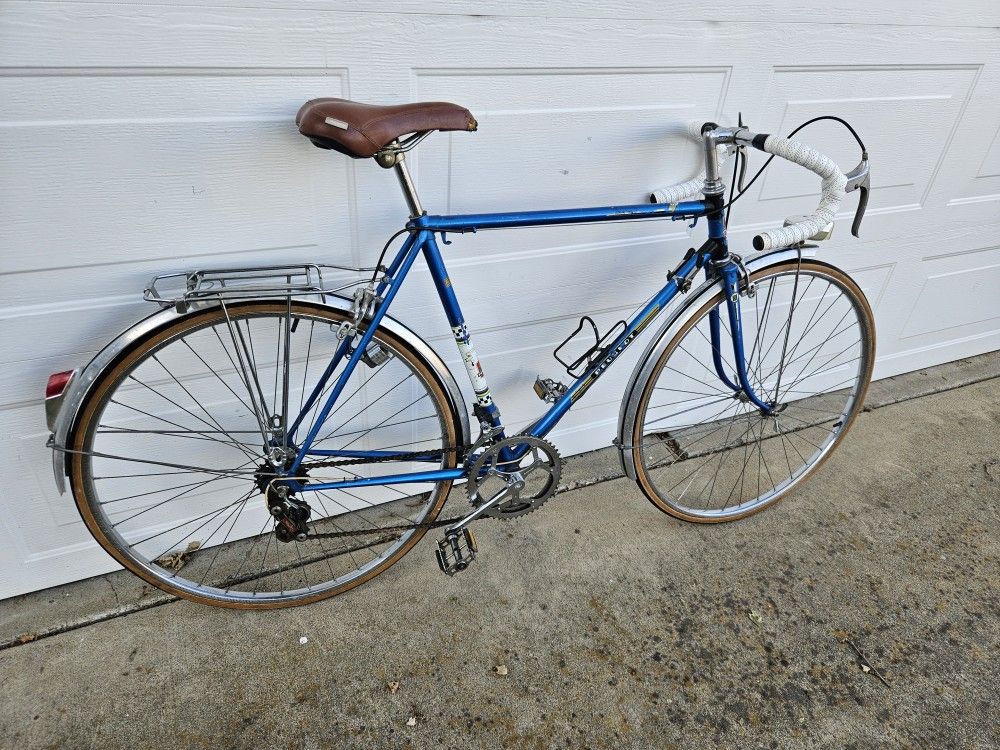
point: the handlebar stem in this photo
(714, 136)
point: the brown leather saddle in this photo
(360, 130)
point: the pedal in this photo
(549, 390)
(456, 552)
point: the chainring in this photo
(538, 467)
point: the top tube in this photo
(473, 222)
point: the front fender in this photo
(82, 384)
(648, 359)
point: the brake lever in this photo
(742, 156)
(859, 178)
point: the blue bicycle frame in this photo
(712, 257)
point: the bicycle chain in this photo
(437, 453)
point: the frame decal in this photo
(472, 365)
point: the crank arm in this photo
(457, 527)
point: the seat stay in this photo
(404, 261)
(338, 355)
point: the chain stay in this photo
(437, 453)
(485, 438)
(385, 529)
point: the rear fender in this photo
(82, 384)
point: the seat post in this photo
(409, 189)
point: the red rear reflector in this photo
(57, 383)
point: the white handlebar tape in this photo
(833, 192)
(679, 192)
(690, 188)
(693, 129)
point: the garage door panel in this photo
(991, 163)
(980, 192)
(580, 136)
(54, 291)
(137, 138)
(43, 521)
(924, 103)
(164, 164)
(49, 327)
(874, 281)
(959, 294)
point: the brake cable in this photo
(745, 188)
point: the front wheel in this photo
(176, 448)
(705, 453)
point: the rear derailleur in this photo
(291, 514)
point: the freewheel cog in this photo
(528, 467)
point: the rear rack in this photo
(184, 288)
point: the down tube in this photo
(636, 326)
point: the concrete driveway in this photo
(596, 622)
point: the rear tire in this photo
(172, 429)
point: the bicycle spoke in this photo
(203, 524)
(164, 502)
(343, 402)
(344, 423)
(733, 461)
(205, 433)
(225, 539)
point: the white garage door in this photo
(138, 137)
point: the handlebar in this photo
(834, 182)
(693, 187)
(834, 186)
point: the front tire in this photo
(703, 453)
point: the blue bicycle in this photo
(272, 436)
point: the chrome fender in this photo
(85, 379)
(647, 361)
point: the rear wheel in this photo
(174, 456)
(704, 453)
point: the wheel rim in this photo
(196, 418)
(705, 453)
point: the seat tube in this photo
(484, 409)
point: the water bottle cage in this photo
(594, 353)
